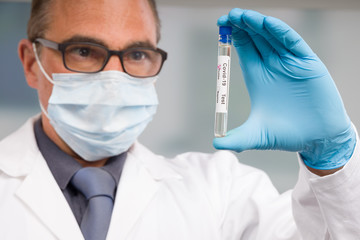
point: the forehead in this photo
(115, 22)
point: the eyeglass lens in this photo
(91, 58)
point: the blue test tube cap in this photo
(225, 34)
(225, 30)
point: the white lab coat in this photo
(192, 196)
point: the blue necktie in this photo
(98, 186)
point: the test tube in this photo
(223, 80)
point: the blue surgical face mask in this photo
(100, 115)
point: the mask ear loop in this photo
(40, 65)
(43, 110)
(45, 74)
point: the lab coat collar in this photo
(40, 192)
(19, 150)
(141, 179)
(21, 158)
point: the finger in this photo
(239, 139)
(260, 42)
(288, 37)
(224, 21)
(263, 40)
(239, 37)
(243, 43)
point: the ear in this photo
(28, 60)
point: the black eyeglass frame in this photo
(62, 46)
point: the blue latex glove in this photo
(295, 105)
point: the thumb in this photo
(239, 139)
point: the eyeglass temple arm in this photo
(48, 43)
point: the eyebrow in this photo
(135, 44)
(80, 38)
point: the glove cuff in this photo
(329, 154)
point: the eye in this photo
(81, 51)
(136, 55)
(84, 52)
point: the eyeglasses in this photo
(88, 57)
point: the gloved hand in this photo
(295, 105)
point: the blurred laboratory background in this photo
(186, 87)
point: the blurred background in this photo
(186, 88)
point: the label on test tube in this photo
(222, 90)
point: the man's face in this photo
(116, 24)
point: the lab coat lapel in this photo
(136, 189)
(42, 195)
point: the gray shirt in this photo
(63, 167)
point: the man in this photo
(93, 64)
